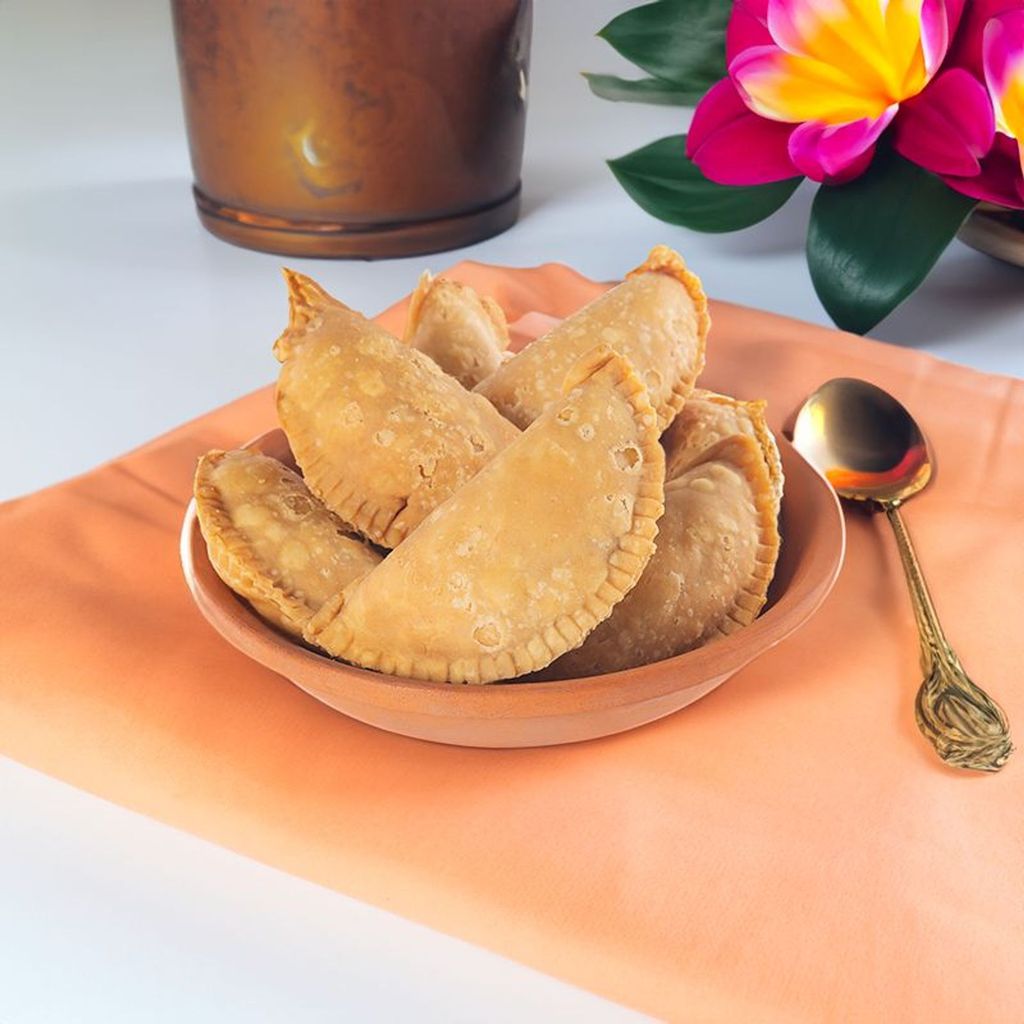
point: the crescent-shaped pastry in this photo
(657, 318)
(717, 548)
(381, 433)
(464, 333)
(707, 418)
(527, 558)
(270, 540)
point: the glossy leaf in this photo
(872, 241)
(680, 41)
(663, 181)
(642, 90)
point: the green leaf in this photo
(643, 90)
(668, 185)
(872, 241)
(681, 41)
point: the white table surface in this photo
(121, 318)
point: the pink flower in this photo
(968, 125)
(813, 84)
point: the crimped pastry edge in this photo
(747, 599)
(379, 521)
(232, 556)
(428, 282)
(625, 564)
(376, 519)
(745, 453)
(497, 317)
(416, 303)
(306, 302)
(664, 260)
(755, 410)
(769, 447)
(373, 519)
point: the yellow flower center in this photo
(838, 60)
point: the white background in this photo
(121, 317)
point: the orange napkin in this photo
(787, 849)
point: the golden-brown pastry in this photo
(463, 332)
(270, 540)
(716, 553)
(381, 433)
(657, 318)
(523, 561)
(707, 418)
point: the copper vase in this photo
(365, 128)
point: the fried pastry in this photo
(381, 433)
(522, 562)
(657, 318)
(270, 540)
(463, 332)
(707, 418)
(716, 553)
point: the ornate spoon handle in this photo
(967, 728)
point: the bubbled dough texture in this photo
(381, 433)
(523, 544)
(293, 541)
(707, 418)
(710, 540)
(462, 332)
(649, 318)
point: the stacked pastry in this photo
(468, 516)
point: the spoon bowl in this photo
(866, 443)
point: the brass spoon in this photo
(871, 450)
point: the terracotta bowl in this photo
(539, 714)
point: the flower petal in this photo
(949, 127)
(779, 86)
(891, 47)
(853, 170)
(1000, 180)
(732, 146)
(966, 51)
(748, 26)
(1003, 55)
(935, 34)
(954, 12)
(837, 152)
(827, 29)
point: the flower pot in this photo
(996, 231)
(363, 128)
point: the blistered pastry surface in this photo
(270, 539)
(657, 318)
(381, 433)
(463, 332)
(716, 551)
(515, 553)
(521, 563)
(707, 418)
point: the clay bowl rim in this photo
(816, 568)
